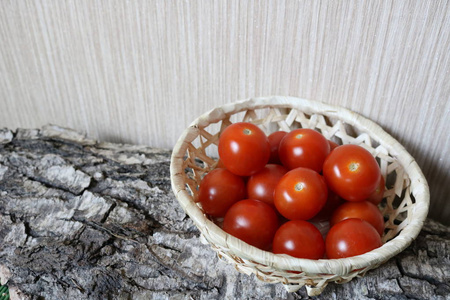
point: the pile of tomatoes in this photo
(269, 190)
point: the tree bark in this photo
(81, 219)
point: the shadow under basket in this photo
(404, 206)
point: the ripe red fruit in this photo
(378, 194)
(219, 190)
(362, 210)
(304, 148)
(351, 172)
(252, 221)
(299, 239)
(274, 141)
(300, 194)
(351, 237)
(244, 148)
(261, 185)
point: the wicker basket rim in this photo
(419, 188)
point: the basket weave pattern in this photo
(405, 204)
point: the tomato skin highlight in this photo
(351, 237)
(252, 221)
(364, 210)
(261, 186)
(351, 172)
(219, 190)
(300, 194)
(244, 148)
(300, 239)
(274, 141)
(304, 148)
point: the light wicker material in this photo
(405, 204)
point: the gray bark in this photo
(80, 219)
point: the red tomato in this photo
(333, 202)
(244, 148)
(299, 239)
(333, 145)
(362, 210)
(219, 190)
(351, 237)
(274, 141)
(304, 148)
(220, 164)
(261, 185)
(351, 172)
(300, 194)
(377, 195)
(252, 221)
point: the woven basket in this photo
(405, 204)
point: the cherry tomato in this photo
(300, 194)
(261, 185)
(305, 148)
(333, 202)
(351, 172)
(351, 237)
(362, 210)
(274, 141)
(333, 145)
(244, 148)
(219, 190)
(299, 239)
(252, 221)
(220, 164)
(377, 195)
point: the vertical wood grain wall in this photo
(140, 71)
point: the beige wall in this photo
(140, 71)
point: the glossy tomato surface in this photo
(244, 148)
(300, 194)
(220, 189)
(274, 141)
(252, 221)
(351, 172)
(300, 239)
(364, 210)
(377, 195)
(304, 148)
(351, 237)
(261, 185)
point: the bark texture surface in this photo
(81, 219)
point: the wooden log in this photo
(81, 219)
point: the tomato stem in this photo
(353, 167)
(299, 186)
